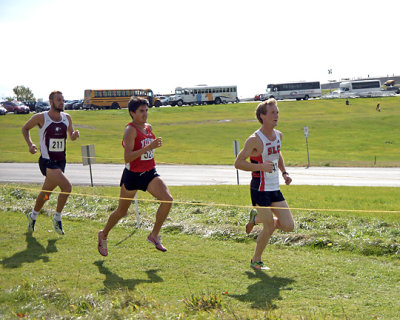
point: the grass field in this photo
(340, 135)
(337, 264)
(340, 262)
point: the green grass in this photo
(340, 135)
(334, 265)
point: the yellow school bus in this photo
(116, 98)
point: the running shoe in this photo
(252, 221)
(31, 223)
(57, 226)
(258, 265)
(102, 244)
(156, 242)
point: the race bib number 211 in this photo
(56, 145)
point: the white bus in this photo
(204, 95)
(363, 87)
(294, 90)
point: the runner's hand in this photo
(75, 135)
(287, 179)
(267, 166)
(156, 143)
(33, 149)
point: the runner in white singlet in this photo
(264, 150)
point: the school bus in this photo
(204, 95)
(116, 98)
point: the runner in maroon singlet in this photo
(139, 174)
(54, 125)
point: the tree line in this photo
(22, 93)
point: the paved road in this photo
(176, 175)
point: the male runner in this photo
(263, 148)
(54, 125)
(140, 173)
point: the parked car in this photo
(68, 104)
(393, 88)
(31, 105)
(164, 100)
(15, 106)
(3, 111)
(42, 106)
(78, 105)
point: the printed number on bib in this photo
(274, 170)
(148, 155)
(56, 145)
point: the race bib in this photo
(148, 155)
(274, 170)
(56, 145)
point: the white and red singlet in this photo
(267, 181)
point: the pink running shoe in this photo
(102, 244)
(156, 242)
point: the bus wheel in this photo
(157, 104)
(217, 100)
(115, 105)
(180, 103)
(306, 97)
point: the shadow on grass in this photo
(263, 293)
(114, 281)
(34, 251)
(126, 238)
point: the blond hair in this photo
(262, 108)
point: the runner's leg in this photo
(56, 176)
(44, 195)
(126, 197)
(265, 216)
(158, 189)
(284, 219)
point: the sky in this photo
(73, 45)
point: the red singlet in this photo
(146, 161)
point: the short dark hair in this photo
(51, 96)
(136, 102)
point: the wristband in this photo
(283, 173)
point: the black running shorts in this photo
(265, 198)
(51, 164)
(137, 180)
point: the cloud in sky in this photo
(86, 44)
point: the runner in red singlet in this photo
(139, 174)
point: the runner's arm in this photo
(36, 120)
(251, 148)
(129, 143)
(281, 166)
(73, 134)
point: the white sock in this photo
(34, 214)
(57, 216)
